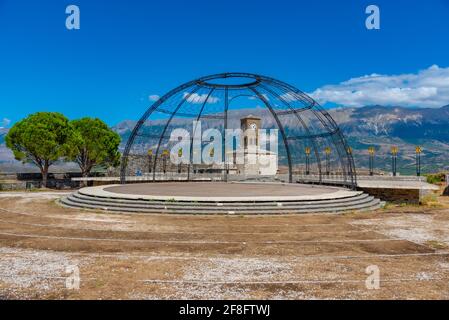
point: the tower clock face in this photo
(253, 126)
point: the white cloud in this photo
(289, 96)
(257, 98)
(153, 97)
(427, 88)
(199, 98)
(4, 123)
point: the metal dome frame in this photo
(254, 87)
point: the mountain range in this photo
(406, 128)
(376, 125)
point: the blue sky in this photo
(127, 51)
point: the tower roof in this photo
(252, 117)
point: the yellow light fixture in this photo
(394, 150)
(308, 150)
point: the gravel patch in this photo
(412, 227)
(239, 269)
(34, 195)
(38, 270)
(229, 273)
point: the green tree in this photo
(41, 138)
(93, 144)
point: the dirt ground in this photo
(44, 247)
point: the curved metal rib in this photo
(146, 115)
(319, 112)
(195, 89)
(337, 137)
(309, 135)
(281, 128)
(225, 126)
(194, 131)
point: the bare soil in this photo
(132, 256)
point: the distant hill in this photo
(405, 127)
(371, 125)
(3, 132)
(377, 121)
(403, 123)
(380, 126)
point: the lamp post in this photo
(308, 150)
(371, 151)
(211, 155)
(165, 154)
(349, 150)
(394, 156)
(418, 151)
(193, 162)
(327, 151)
(179, 159)
(150, 160)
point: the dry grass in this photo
(317, 256)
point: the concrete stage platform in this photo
(400, 189)
(221, 198)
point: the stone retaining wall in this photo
(35, 184)
(410, 196)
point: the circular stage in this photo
(220, 198)
(219, 191)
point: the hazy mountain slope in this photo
(371, 125)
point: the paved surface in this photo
(395, 184)
(382, 182)
(219, 191)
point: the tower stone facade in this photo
(250, 142)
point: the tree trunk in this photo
(44, 173)
(84, 174)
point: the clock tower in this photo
(250, 126)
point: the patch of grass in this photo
(99, 283)
(24, 190)
(387, 206)
(430, 200)
(402, 207)
(437, 245)
(436, 178)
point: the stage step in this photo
(358, 202)
(81, 196)
(291, 205)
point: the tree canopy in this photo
(94, 143)
(42, 138)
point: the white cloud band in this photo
(199, 98)
(427, 88)
(154, 97)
